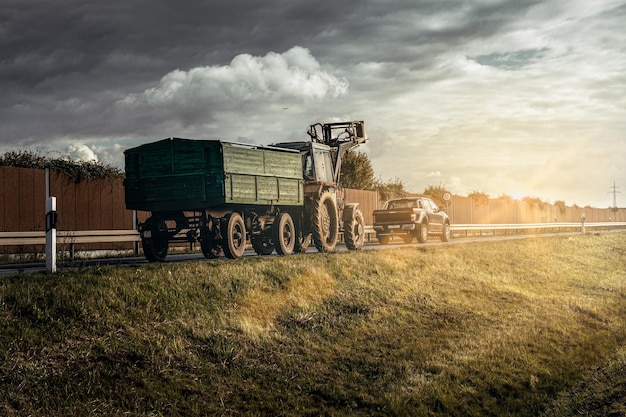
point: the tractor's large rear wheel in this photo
(325, 222)
(235, 239)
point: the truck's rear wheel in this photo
(383, 239)
(325, 223)
(235, 244)
(445, 235)
(354, 231)
(422, 233)
(284, 234)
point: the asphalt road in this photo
(28, 268)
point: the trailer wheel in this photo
(155, 247)
(354, 231)
(262, 245)
(235, 244)
(210, 249)
(325, 223)
(302, 243)
(284, 234)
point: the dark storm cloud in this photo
(64, 64)
(431, 77)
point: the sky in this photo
(503, 97)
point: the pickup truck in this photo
(409, 218)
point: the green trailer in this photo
(183, 174)
(225, 195)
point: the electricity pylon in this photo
(615, 193)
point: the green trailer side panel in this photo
(290, 190)
(242, 160)
(255, 161)
(183, 174)
(256, 189)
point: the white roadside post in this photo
(51, 234)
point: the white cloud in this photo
(293, 75)
(80, 152)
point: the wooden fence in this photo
(88, 205)
(464, 210)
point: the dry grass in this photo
(514, 328)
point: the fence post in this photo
(51, 234)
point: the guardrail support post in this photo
(51, 234)
(582, 223)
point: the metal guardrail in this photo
(107, 236)
(69, 236)
(538, 227)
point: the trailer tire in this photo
(235, 244)
(284, 234)
(354, 231)
(325, 222)
(262, 245)
(210, 249)
(302, 243)
(155, 247)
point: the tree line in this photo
(357, 173)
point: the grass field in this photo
(517, 328)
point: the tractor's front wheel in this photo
(354, 231)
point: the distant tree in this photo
(357, 172)
(561, 206)
(534, 201)
(505, 197)
(480, 199)
(391, 189)
(78, 170)
(435, 192)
